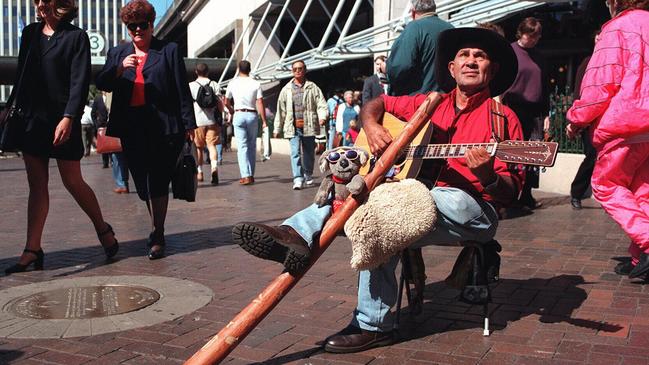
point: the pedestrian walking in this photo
(248, 108)
(346, 113)
(87, 130)
(613, 104)
(529, 97)
(99, 114)
(208, 111)
(332, 104)
(376, 84)
(54, 56)
(301, 112)
(151, 111)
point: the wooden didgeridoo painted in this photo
(216, 350)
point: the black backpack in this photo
(206, 97)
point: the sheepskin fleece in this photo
(394, 216)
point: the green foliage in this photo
(560, 102)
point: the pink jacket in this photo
(615, 88)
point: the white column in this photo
(106, 26)
(124, 34)
(97, 16)
(28, 13)
(80, 18)
(11, 27)
(116, 36)
(2, 29)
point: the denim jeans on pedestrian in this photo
(245, 131)
(302, 155)
(120, 169)
(332, 134)
(460, 217)
(219, 153)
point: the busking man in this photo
(473, 64)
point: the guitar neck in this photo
(442, 151)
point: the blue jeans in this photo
(219, 153)
(302, 155)
(460, 217)
(332, 133)
(245, 131)
(120, 169)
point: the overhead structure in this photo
(376, 39)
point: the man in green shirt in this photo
(412, 58)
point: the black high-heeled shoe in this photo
(112, 249)
(156, 240)
(38, 262)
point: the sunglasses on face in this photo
(296, 69)
(334, 156)
(133, 26)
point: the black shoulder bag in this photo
(12, 119)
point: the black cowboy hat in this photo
(497, 47)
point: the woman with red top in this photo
(55, 60)
(152, 111)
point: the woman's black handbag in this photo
(12, 119)
(184, 182)
(12, 128)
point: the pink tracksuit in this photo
(615, 100)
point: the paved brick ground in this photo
(558, 301)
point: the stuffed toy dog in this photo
(340, 167)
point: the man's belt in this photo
(245, 110)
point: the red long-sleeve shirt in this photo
(469, 125)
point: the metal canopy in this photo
(377, 39)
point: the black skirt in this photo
(39, 138)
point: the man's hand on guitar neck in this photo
(481, 164)
(501, 188)
(378, 137)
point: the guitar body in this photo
(403, 168)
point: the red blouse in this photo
(137, 97)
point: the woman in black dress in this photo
(55, 56)
(152, 111)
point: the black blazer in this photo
(56, 78)
(371, 88)
(166, 89)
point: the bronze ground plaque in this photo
(83, 302)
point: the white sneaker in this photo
(297, 185)
(308, 180)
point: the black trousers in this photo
(581, 182)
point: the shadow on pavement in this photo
(553, 299)
(87, 258)
(6, 357)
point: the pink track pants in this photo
(620, 183)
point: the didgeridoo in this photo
(214, 351)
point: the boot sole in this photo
(259, 243)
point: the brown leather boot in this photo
(276, 243)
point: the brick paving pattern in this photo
(558, 301)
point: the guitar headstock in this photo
(528, 152)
